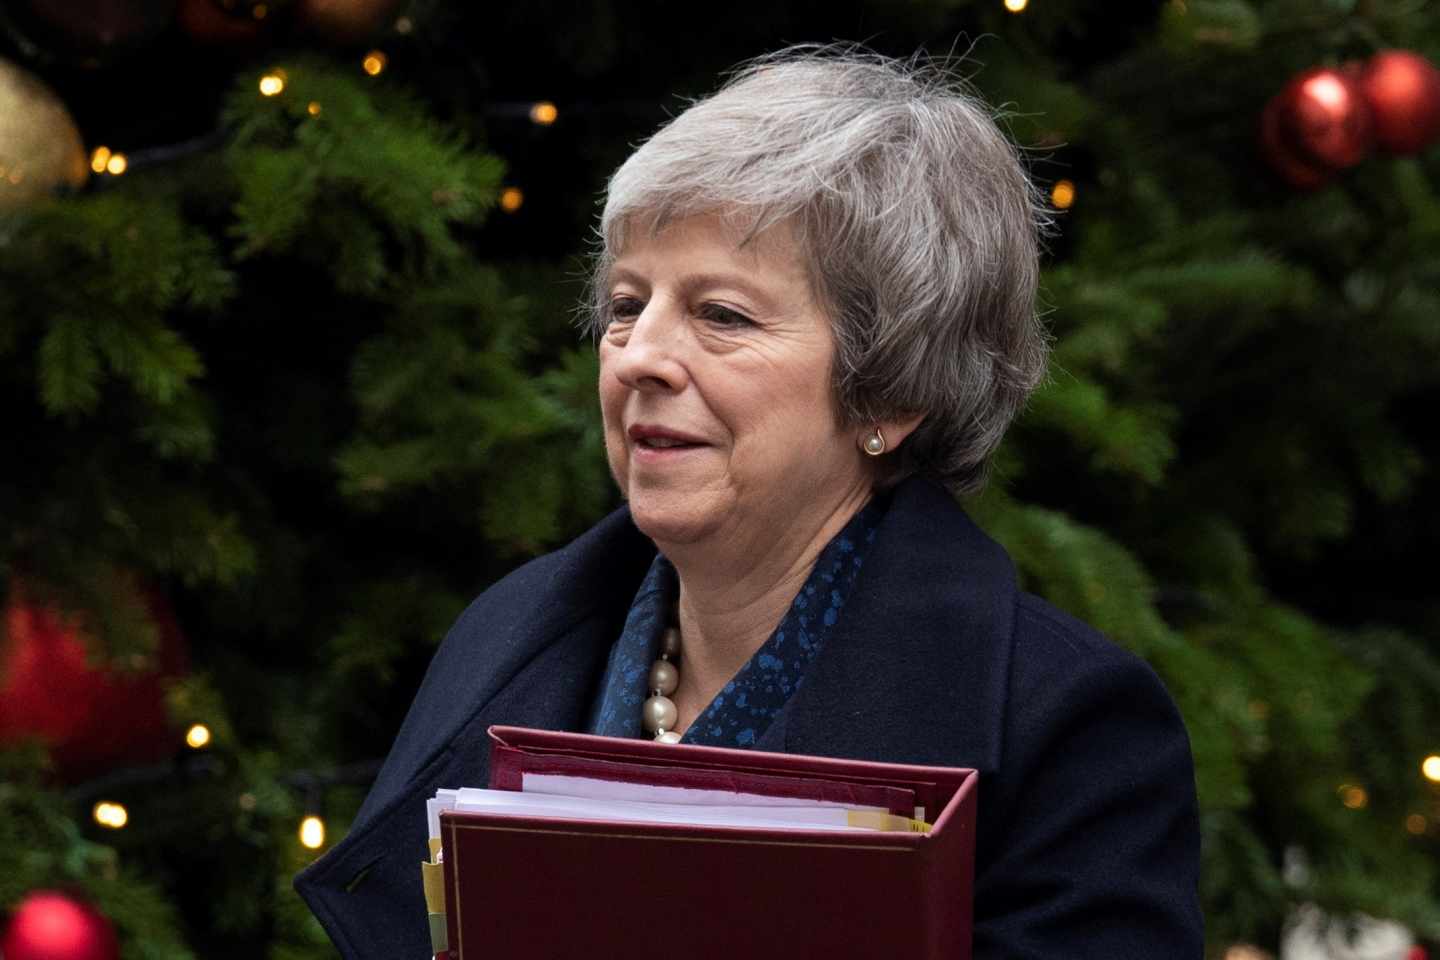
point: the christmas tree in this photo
(290, 373)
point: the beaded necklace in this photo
(659, 712)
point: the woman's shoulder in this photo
(1058, 657)
(517, 615)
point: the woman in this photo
(815, 306)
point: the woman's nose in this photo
(651, 357)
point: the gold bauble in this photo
(40, 147)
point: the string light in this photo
(260, 11)
(1352, 795)
(271, 84)
(313, 108)
(312, 832)
(375, 62)
(1245, 951)
(1431, 768)
(112, 815)
(197, 736)
(1062, 195)
(1015, 6)
(544, 113)
(511, 198)
(117, 164)
(1416, 824)
(404, 25)
(99, 159)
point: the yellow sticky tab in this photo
(434, 849)
(433, 875)
(439, 933)
(874, 820)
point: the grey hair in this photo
(917, 221)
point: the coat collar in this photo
(918, 667)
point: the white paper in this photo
(443, 800)
(594, 789)
(513, 803)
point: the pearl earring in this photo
(875, 443)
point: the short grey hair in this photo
(918, 223)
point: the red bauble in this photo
(92, 718)
(206, 22)
(1417, 952)
(1281, 154)
(48, 925)
(1403, 91)
(1325, 118)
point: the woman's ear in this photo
(896, 431)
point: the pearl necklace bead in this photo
(659, 712)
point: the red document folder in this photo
(535, 887)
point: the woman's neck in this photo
(731, 600)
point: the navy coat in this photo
(1088, 840)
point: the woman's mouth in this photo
(654, 441)
(664, 443)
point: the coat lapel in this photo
(916, 670)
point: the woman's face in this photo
(715, 389)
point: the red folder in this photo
(536, 887)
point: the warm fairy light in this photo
(374, 62)
(404, 25)
(260, 11)
(271, 84)
(99, 159)
(1416, 824)
(112, 815)
(1245, 951)
(197, 736)
(511, 198)
(1353, 795)
(544, 113)
(1062, 195)
(312, 832)
(1015, 6)
(1431, 768)
(313, 108)
(117, 164)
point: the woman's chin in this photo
(671, 523)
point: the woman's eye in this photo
(724, 317)
(623, 309)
